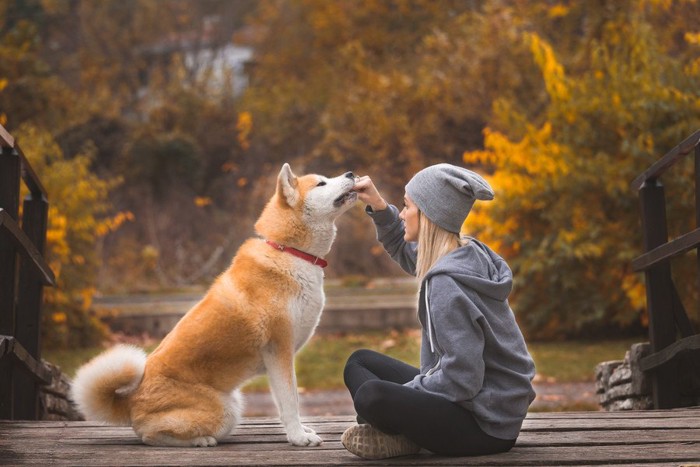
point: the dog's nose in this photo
(350, 175)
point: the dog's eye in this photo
(321, 184)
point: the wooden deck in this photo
(670, 437)
(666, 438)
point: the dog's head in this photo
(316, 196)
(305, 206)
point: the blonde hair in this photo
(434, 242)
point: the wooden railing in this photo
(674, 364)
(23, 274)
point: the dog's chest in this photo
(306, 307)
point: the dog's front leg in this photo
(279, 365)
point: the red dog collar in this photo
(299, 254)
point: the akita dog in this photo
(253, 319)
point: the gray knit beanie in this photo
(446, 193)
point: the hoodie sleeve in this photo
(390, 232)
(459, 375)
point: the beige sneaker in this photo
(369, 443)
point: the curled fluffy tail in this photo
(102, 387)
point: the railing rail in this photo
(673, 363)
(23, 274)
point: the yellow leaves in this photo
(87, 294)
(244, 126)
(3, 83)
(693, 66)
(56, 234)
(616, 101)
(150, 256)
(558, 11)
(692, 38)
(202, 201)
(113, 223)
(536, 154)
(552, 71)
(59, 317)
(635, 290)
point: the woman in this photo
(474, 385)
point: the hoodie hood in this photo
(477, 267)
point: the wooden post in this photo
(697, 213)
(28, 319)
(34, 223)
(659, 290)
(10, 167)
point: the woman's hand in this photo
(368, 194)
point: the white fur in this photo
(319, 213)
(85, 387)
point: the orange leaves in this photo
(558, 11)
(113, 223)
(202, 201)
(244, 125)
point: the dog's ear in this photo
(287, 186)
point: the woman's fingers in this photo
(368, 193)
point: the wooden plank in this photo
(10, 347)
(659, 358)
(665, 252)
(580, 438)
(36, 188)
(670, 158)
(6, 139)
(263, 440)
(334, 454)
(10, 229)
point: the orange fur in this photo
(253, 317)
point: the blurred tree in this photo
(382, 87)
(566, 217)
(78, 210)
(28, 88)
(585, 92)
(155, 112)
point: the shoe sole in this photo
(369, 443)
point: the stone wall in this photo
(54, 403)
(622, 385)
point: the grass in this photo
(575, 361)
(320, 364)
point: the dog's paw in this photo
(305, 439)
(204, 441)
(308, 430)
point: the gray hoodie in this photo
(472, 351)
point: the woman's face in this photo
(409, 216)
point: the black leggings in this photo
(433, 422)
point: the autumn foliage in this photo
(559, 103)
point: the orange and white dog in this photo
(253, 319)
